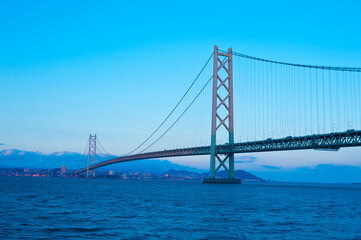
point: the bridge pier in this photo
(222, 180)
(220, 105)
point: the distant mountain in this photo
(175, 173)
(243, 175)
(150, 166)
(11, 158)
(28, 159)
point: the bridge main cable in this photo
(199, 93)
(348, 69)
(168, 116)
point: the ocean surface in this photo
(65, 208)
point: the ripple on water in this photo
(104, 209)
(73, 229)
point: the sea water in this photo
(75, 208)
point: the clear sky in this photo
(116, 68)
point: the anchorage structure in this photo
(222, 115)
(91, 155)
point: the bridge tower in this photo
(91, 155)
(222, 115)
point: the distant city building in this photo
(172, 175)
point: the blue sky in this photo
(116, 68)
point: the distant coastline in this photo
(179, 175)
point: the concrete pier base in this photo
(222, 180)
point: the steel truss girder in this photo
(330, 141)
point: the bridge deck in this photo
(330, 141)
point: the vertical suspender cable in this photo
(286, 100)
(266, 101)
(339, 99)
(305, 98)
(271, 106)
(254, 101)
(294, 102)
(263, 100)
(257, 98)
(283, 104)
(323, 100)
(359, 97)
(311, 103)
(330, 97)
(263, 106)
(345, 100)
(352, 98)
(279, 98)
(317, 110)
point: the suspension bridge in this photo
(253, 105)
